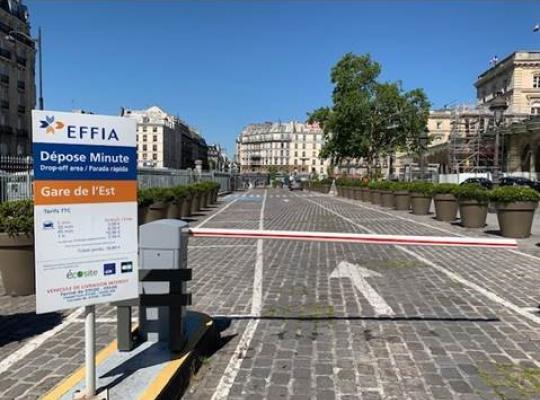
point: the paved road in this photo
(461, 324)
(389, 323)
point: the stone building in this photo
(517, 77)
(284, 147)
(17, 79)
(217, 158)
(165, 141)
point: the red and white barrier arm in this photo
(354, 238)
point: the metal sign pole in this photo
(90, 349)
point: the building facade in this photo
(17, 79)
(217, 158)
(285, 147)
(165, 141)
(517, 77)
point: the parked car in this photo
(479, 181)
(296, 184)
(519, 181)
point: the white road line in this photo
(106, 320)
(347, 201)
(204, 221)
(484, 292)
(230, 373)
(37, 341)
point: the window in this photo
(536, 81)
(535, 108)
(154, 147)
(296, 154)
(144, 138)
(144, 147)
(154, 129)
(154, 138)
(144, 129)
(154, 157)
(439, 125)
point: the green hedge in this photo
(426, 188)
(17, 217)
(151, 195)
(445, 188)
(472, 191)
(510, 194)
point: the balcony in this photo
(21, 109)
(4, 79)
(5, 53)
(21, 61)
(4, 104)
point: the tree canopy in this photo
(369, 118)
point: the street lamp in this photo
(38, 41)
(423, 142)
(498, 106)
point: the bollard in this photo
(163, 274)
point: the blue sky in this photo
(220, 65)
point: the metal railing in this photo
(17, 184)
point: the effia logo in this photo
(79, 131)
(51, 125)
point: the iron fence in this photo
(17, 184)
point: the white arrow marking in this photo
(358, 275)
(286, 200)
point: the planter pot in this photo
(157, 210)
(375, 197)
(515, 219)
(402, 200)
(195, 203)
(445, 207)
(420, 203)
(358, 193)
(473, 213)
(205, 200)
(173, 211)
(340, 191)
(348, 192)
(141, 214)
(17, 265)
(387, 199)
(326, 189)
(366, 196)
(185, 209)
(215, 196)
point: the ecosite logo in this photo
(89, 273)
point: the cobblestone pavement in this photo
(28, 370)
(463, 325)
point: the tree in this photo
(369, 118)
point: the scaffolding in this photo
(471, 141)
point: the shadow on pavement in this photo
(363, 318)
(17, 327)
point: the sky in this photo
(221, 65)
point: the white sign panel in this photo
(85, 212)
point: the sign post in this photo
(85, 216)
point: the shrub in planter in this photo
(387, 195)
(17, 247)
(183, 200)
(473, 201)
(515, 207)
(402, 197)
(197, 198)
(375, 192)
(421, 193)
(446, 205)
(144, 199)
(158, 207)
(170, 200)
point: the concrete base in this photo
(150, 370)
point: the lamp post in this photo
(38, 41)
(498, 106)
(423, 142)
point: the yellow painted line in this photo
(164, 377)
(168, 372)
(63, 387)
